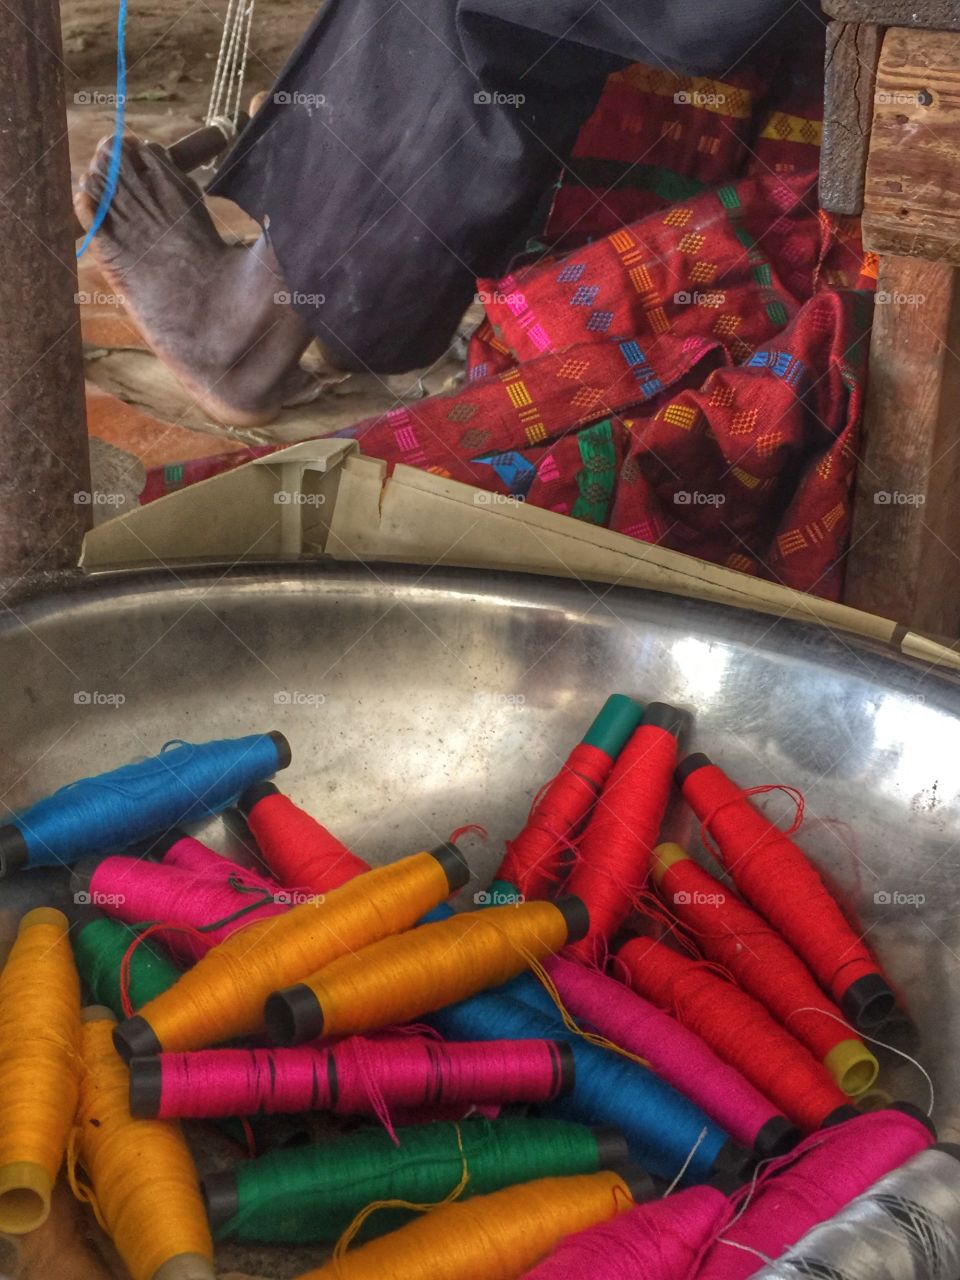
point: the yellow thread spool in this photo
(39, 1038)
(144, 1188)
(493, 1237)
(401, 978)
(222, 996)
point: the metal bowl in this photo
(418, 701)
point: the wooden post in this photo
(44, 460)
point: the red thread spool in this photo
(615, 850)
(778, 879)
(737, 1028)
(300, 852)
(534, 861)
(731, 934)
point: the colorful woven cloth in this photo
(686, 365)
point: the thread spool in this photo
(661, 1240)
(114, 810)
(213, 906)
(300, 852)
(99, 947)
(143, 1184)
(667, 1133)
(737, 1028)
(777, 878)
(178, 849)
(906, 1227)
(498, 1236)
(814, 1182)
(407, 975)
(222, 996)
(676, 1054)
(311, 1194)
(354, 1077)
(731, 934)
(39, 1036)
(615, 849)
(534, 859)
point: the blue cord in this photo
(113, 172)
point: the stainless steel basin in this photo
(418, 701)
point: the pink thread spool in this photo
(676, 1054)
(186, 853)
(659, 1240)
(824, 1173)
(355, 1077)
(137, 892)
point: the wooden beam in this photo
(912, 197)
(904, 561)
(850, 70)
(939, 15)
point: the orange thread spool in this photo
(737, 1028)
(493, 1237)
(732, 935)
(144, 1187)
(39, 1058)
(400, 978)
(222, 996)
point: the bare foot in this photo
(215, 314)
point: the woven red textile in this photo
(688, 368)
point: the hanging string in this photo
(119, 125)
(226, 92)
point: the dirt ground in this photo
(172, 47)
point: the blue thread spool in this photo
(184, 783)
(661, 1125)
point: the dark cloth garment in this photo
(407, 148)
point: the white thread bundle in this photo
(906, 1227)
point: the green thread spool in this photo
(99, 948)
(310, 1195)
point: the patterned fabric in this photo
(687, 365)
